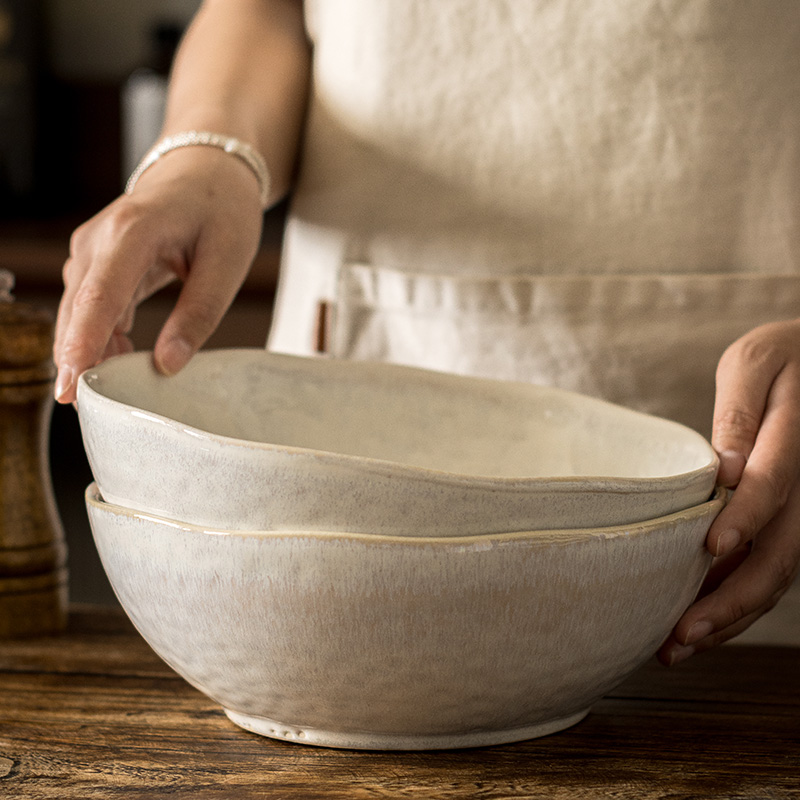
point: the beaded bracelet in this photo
(229, 144)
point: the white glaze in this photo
(383, 642)
(250, 440)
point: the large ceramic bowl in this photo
(248, 440)
(380, 642)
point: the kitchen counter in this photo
(94, 713)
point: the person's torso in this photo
(463, 158)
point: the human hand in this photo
(195, 216)
(756, 538)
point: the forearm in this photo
(243, 70)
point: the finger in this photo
(119, 341)
(740, 626)
(749, 590)
(66, 378)
(722, 567)
(161, 274)
(672, 652)
(773, 468)
(78, 263)
(97, 306)
(744, 378)
(71, 282)
(118, 344)
(155, 279)
(213, 282)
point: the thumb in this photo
(741, 400)
(731, 467)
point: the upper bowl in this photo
(249, 440)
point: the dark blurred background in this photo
(81, 90)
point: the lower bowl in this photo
(401, 643)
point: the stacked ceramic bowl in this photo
(373, 556)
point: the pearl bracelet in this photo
(229, 144)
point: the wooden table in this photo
(95, 714)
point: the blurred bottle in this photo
(144, 96)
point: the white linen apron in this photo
(597, 195)
(600, 196)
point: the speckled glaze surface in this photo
(249, 440)
(352, 640)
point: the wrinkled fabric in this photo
(581, 159)
(614, 337)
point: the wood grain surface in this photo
(95, 714)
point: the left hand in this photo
(756, 538)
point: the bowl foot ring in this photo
(399, 741)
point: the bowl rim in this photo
(588, 484)
(710, 507)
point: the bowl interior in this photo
(398, 414)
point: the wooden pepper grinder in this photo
(33, 573)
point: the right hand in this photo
(194, 216)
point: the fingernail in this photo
(174, 356)
(699, 631)
(64, 381)
(728, 542)
(678, 654)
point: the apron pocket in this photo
(647, 342)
